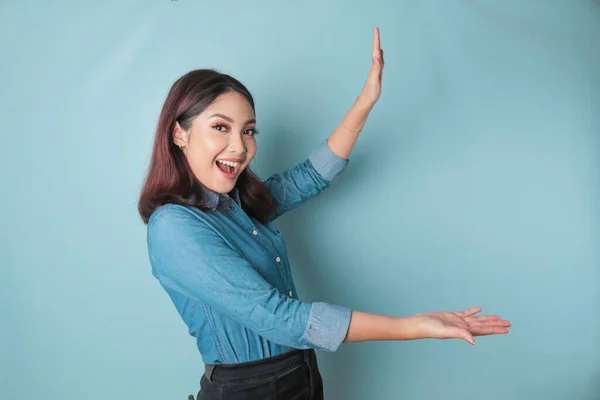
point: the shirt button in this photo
(290, 293)
(278, 259)
(254, 233)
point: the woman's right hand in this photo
(458, 325)
(372, 89)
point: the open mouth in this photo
(228, 167)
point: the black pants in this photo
(290, 376)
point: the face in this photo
(220, 143)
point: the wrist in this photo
(407, 328)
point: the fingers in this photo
(492, 321)
(489, 322)
(469, 339)
(488, 330)
(465, 335)
(489, 327)
(469, 312)
(377, 52)
(482, 318)
(376, 43)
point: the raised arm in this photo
(306, 180)
(326, 163)
(344, 137)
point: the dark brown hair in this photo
(169, 178)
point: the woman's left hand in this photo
(372, 89)
(459, 325)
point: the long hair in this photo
(169, 178)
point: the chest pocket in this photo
(276, 234)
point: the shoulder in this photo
(169, 219)
(169, 212)
(176, 230)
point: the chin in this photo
(225, 188)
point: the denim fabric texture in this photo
(229, 275)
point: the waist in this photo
(259, 369)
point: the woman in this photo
(214, 249)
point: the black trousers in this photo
(290, 376)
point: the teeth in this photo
(230, 163)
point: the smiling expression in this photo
(220, 143)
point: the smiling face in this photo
(220, 143)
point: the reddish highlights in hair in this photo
(169, 178)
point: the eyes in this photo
(224, 128)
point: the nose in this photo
(236, 144)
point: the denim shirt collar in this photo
(213, 199)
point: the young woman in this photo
(214, 249)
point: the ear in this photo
(180, 136)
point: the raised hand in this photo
(459, 325)
(372, 88)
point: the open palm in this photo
(460, 325)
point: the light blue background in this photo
(475, 182)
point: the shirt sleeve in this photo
(189, 257)
(306, 180)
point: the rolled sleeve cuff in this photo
(328, 164)
(327, 326)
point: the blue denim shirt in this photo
(229, 276)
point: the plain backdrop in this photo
(474, 183)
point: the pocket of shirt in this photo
(276, 232)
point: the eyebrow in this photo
(226, 118)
